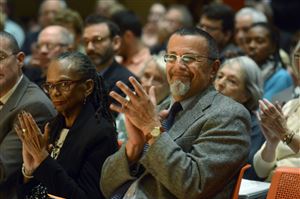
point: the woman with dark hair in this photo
(81, 136)
(262, 45)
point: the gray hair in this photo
(66, 36)
(62, 3)
(256, 15)
(252, 78)
(187, 19)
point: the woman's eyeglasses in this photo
(61, 86)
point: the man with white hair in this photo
(244, 18)
(52, 41)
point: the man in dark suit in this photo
(101, 40)
(205, 138)
(17, 93)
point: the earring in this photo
(84, 101)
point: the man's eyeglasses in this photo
(208, 28)
(186, 59)
(95, 40)
(61, 86)
(50, 46)
(4, 56)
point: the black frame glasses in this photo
(61, 86)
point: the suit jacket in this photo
(199, 157)
(116, 72)
(76, 172)
(28, 97)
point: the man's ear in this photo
(214, 68)
(116, 43)
(89, 87)
(128, 36)
(20, 59)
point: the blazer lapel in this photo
(192, 113)
(15, 98)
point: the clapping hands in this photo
(34, 143)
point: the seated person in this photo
(82, 135)
(17, 93)
(190, 153)
(281, 128)
(240, 78)
(262, 45)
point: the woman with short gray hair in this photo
(240, 79)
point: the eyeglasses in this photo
(208, 28)
(186, 59)
(95, 40)
(50, 46)
(61, 86)
(4, 56)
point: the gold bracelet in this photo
(287, 139)
(24, 173)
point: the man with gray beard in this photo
(191, 152)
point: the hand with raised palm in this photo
(34, 143)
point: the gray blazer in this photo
(31, 98)
(199, 157)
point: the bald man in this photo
(52, 41)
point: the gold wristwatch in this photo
(156, 131)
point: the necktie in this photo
(176, 107)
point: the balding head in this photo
(52, 41)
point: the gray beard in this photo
(178, 88)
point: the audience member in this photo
(240, 78)
(82, 134)
(52, 41)
(17, 93)
(133, 52)
(107, 8)
(185, 159)
(218, 20)
(281, 128)
(71, 20)
(102, 41)
(262, 45)
(177, 16)
(244, 18)
(11, 26)
(47, 11)
(151, 31)
(154, 74)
